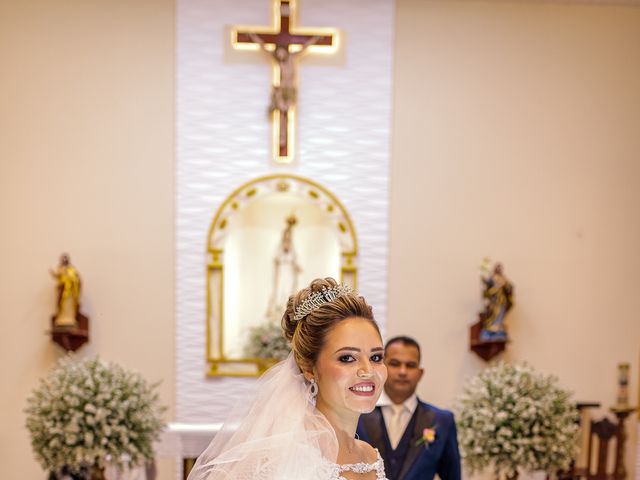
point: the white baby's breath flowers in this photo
(267, 341)
(512, 418)
(85, 413)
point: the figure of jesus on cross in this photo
(283, 94)
(285, 47)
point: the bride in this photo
(301, 424)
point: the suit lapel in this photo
(424, 419)
(373, 426)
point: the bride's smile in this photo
(364, 388)
(350, 368)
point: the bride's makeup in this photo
(350, 367)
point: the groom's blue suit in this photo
(410, 461)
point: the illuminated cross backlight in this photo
(284, 44)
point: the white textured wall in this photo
(224, 137)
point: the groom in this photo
(415, 439)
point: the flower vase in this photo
(97, 473)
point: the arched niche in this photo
(243, 238)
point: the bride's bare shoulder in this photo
(369, 453)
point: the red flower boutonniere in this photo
(428, 437)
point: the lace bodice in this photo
(361, 467)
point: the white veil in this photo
(277, 435)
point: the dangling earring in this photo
(313, 391)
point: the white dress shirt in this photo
(408, 408)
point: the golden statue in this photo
(69, 286)
(498, 294)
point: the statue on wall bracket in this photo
(488, 336)
(69, 327)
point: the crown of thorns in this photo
(317, 299)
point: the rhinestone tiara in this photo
(317, 299)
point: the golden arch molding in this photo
(218, 363)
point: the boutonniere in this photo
(428, 437)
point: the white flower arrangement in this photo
(86, 414)
(267, 341)
(511, 418)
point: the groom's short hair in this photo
(406, 341)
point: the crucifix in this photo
(284, 44)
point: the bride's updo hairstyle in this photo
(307, 332)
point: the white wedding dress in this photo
(377, 466)
(278, 436)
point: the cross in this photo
(284, 44)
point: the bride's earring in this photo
(313, 391)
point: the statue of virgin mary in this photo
(286, 272)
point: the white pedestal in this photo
(185, 440)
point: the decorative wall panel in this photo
(223, 141)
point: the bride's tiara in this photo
(317, 299)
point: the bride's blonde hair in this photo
(307, 334)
